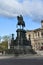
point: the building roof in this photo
(35, 30)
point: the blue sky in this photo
(31, 10)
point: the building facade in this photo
(36, 37)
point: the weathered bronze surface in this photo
(20, 21)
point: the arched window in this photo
(42, 34)
(29, 36)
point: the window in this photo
(29, 37)
(42, 43)
(38, 34)
(42, 34)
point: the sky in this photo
(31, 10)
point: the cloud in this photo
(31, 8)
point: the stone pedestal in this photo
(21, 41)
(21, 37)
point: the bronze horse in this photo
(20, 21)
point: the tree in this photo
(6, 38)
(4, 43)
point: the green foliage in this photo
(4, 45)
(5, 38)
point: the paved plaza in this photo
(27, 56)
(21, 60)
